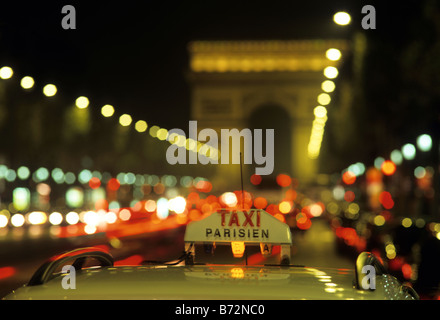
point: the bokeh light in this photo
(125, 120)
(162, 208)
(72, 217)
(55, 218)
(409, 151)
(396, 157)
(260, 203)
(285, 207)
(386, 200)
(419, 172)
(50, 90)
(348, 177)
(27, 82)
(388, 167)
(328, 86)
(141, 126)
(331, 72)
(424, 142)
(107, 110)
(17, 220)
(333, 54)
(342, 18)
(256, 179)
(324, 99)
(82, 102)
(229, 199)
(177, 204)
(283, 180)
(6, 72)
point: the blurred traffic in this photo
(360, 221)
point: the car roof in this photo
(212, 282)
(188, 279)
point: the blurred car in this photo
(89, 273)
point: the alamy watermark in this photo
(369, 20)
(69, 280)
(69, 20)
(369, 280)
(230, 140)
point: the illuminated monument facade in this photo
(262, 84)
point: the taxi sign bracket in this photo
(190, 251)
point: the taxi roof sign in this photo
(252, 226)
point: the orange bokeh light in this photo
(302, 221)
(373, 175)
(256, 179)
(290, 195)
(284, 180)
(386, 200)
(94, 183)
(349, 196)
(194, 215)
(113, 184)
(349, 177)
(6, 272)
(192, 198)
(280, 217)
(407, 271)
(260, 203)
(388, 167)
(204, 186)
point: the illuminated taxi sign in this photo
(249, 226)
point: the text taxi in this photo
(221, 232)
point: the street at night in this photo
(282, 150)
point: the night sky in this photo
(132, 54)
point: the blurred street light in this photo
(419, 172)
(82, 102)
(324, 99)
(409, 151)
(49, 90)
(333, 54)
(107, 110)
(396, 157)
(331, 72)
(388, 167)
(23, 173)
(27, 82)
(125, 120)
(141, 126)
(320, 112)
(6, 73)
(328, 86)
(17, 220)
(162, 134)
(378, 162)
(55, 218)
(424, 142)
(342, 18)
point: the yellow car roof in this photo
(211, 282)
